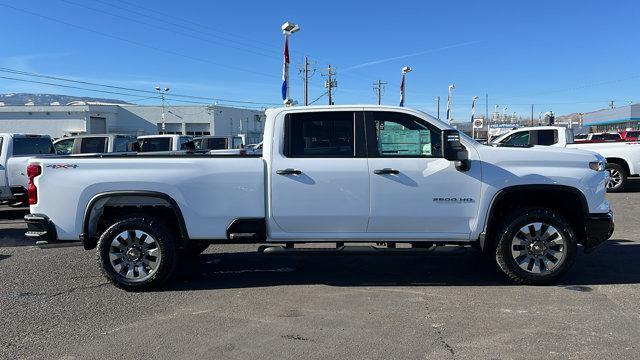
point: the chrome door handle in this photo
(386, 171)
(289, 172)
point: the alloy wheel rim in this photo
(135, 255)
(538, 248)
(615, 178)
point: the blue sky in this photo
(565, 56)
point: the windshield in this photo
(32, 146)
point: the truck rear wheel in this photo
(137, 253)
(535, 246)
(617, 177)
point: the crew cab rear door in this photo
(319, 179)
(415, 192)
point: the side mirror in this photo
(453, 150)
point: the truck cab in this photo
(15, 151)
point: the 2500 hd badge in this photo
(450, 200)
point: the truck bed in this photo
(217, 189)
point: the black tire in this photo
(510, 228)
(165, 242)
(193, 248)
(620, 173)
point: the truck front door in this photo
(415, 192)
(319, 176)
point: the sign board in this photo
(478, 123)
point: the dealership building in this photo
(616, 119)
(99, 118)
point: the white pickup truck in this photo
(623, 158)
(15, 151)
(328, 174)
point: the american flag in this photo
(402, 91)
(285, 68)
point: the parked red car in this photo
(631, 135)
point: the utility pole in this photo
(438, 106)
(330, 83)
(611, 105)
(162, 92)
(486, 106)
(531, 114)
(378, 88)
(307, 73)
(306, 81)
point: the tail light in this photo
(33, 170)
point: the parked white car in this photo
(15, 151)
(165, 142)
(623, 158)
(338, 174)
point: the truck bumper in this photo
(599, 228)
(42, 230)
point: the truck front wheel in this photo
(137, 253)
(535, 246)
(617, 177)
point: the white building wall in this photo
(59, 121)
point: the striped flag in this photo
(402, 91)
(473, 110)
(285, 70)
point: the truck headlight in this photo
(597, 165)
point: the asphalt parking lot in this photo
(232, 302)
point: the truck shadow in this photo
(633, 185)
(613, 263)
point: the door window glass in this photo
(64, 147)
(547, 137)
(92, 145)
(123, 144)
(320, 134)
(236, 143)
(517, 139)
(32, 146)
(155, 144)
(403, 135)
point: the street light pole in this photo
(287, 29)
(161, 92)
(405, 70)
(438, 106)
(449, 99)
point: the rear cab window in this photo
(155, 144)
(32, 145)
(546, 137)
(89, 145)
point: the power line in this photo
(103, 91)
(26, 73)
(172, 31)
(136, 43)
